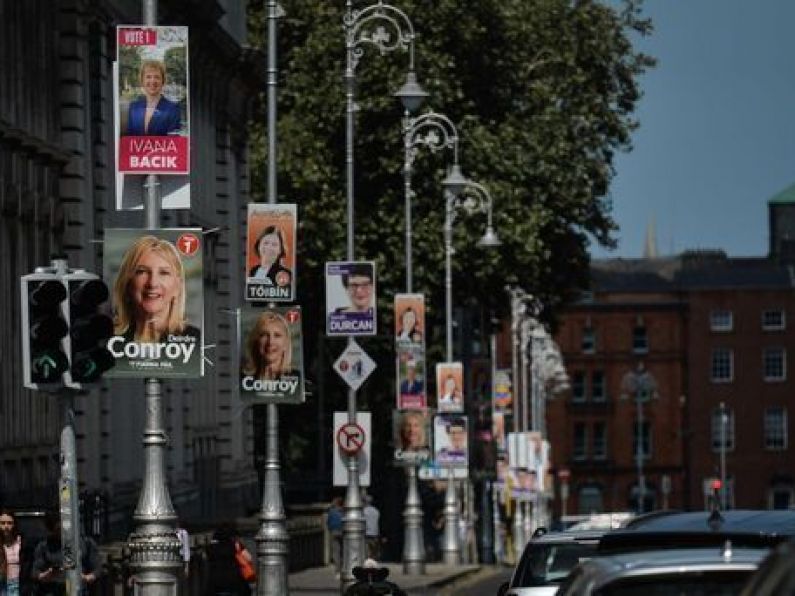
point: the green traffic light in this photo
(48, 366)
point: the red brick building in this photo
(709, 330)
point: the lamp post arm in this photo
(431, 130)
(375, 25)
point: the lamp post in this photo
(272, 538)
(154, 546)
(435, 132)
(519, 302)
(642, 385)
(370, 26)
(472, 197)
(724, 422)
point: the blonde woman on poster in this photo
(152, 113)
(149, 293)
(269, 349)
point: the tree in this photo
(542, 93)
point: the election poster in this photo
(271, 355)
(411, 430)
(450, 440)
(350, 298)
(410, 320)
(411, 388)
(155, 279)
(449, 387)
(270, 252)
(153, 105)
(502, 392)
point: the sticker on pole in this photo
(354, 365)
(351, 438)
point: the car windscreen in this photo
(709, 583)
(544, 564)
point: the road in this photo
(484, 583)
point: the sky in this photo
(717, 128)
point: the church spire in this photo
(650, 245)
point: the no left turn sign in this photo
(350, 438)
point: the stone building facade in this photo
(57, 196)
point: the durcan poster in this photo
(411, 430)
(410, 320)
(271, 355)
(350, 298)
(449, 387)
(450, 440)
(411, 388)
(270, 252)
(155, 278)
(153, 108)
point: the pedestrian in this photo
(224, 572)
(184, 548)
(371, 530)
(334, 525)
(48, 562)
(10, 555)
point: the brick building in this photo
(712, 333)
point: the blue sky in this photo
(717, 134)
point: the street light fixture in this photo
(642, 385)
(471, 197)
(387, 29)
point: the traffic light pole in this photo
(68, 488)
(154, 546)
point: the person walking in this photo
(223, 570)
(10, 555)
(371, 529)
(334, 526)
(48, 564)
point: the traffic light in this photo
(63, 331)
(89, 328)
(44, 328)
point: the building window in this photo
(774, 364)
(722, 366)
(721, 320)
(645, 440)
(589, 500)
(588, 340)
(773, 320)
(722, 422)
(781, 496)
(640, 340)
(775, 429)
(580, 441)
(598, 392)
(600, 440)
(578, 386)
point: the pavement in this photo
(319, 581)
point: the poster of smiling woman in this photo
(153, 104)
(155, 277)
(271, 355)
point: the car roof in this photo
(751, 528)
(568, 536)
(605, 569)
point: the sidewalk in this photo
(322, 581)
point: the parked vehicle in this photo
(776, 574)
(547, 560)
(713, 571)
(663, 529)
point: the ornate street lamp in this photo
(387, 29)
(471, 197)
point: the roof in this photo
(752, 528)
(786, 196)
(692, 270)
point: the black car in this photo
(664, 529)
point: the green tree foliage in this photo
(542, 93)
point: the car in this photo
(676, 529)
(712, 571)
(776, 574)
(546, 561)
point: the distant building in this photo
(710, 330)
